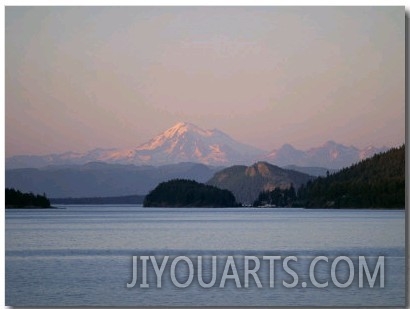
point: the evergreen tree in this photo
(188, 193)
(16, 199)
(377, 182)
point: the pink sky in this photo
(87, 77)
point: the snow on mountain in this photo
(330, 155)
(370, 151)
(186, 142)
(333, 155)
(287, 153)
(67, 158)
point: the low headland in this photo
(18, 200)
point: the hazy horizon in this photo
(80, 78)
(263, 149)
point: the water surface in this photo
(82, 255)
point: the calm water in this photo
(82, 255)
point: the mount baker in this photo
(186, 142)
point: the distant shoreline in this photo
(30, 207)
(126, 199)
(191, 206)
(199, 207)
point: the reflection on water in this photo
(82, 255)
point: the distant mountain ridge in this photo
(97, 179)
(246, 182)
(186, 142)
(330, 155)
(311, 170)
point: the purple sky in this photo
(87, 77)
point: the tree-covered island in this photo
(16, 199)
(189, 193)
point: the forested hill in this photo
(377, 182)
(188, 193)
(246, 182)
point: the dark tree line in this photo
(278, 197)
(188, 193)
(377, 182)
(16, 199)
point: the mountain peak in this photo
(246, 182)
(330, 143)
(183, 124)
(333, 144)
(262, 168)
(182, 127)
(186, 142)
(287, 147)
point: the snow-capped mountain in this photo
(68, 158)
(370, 151)
(330, 155)
(287, 153)
(186, 142)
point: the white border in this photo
(207, 3)
(135, 3)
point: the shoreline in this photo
(30, 207)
